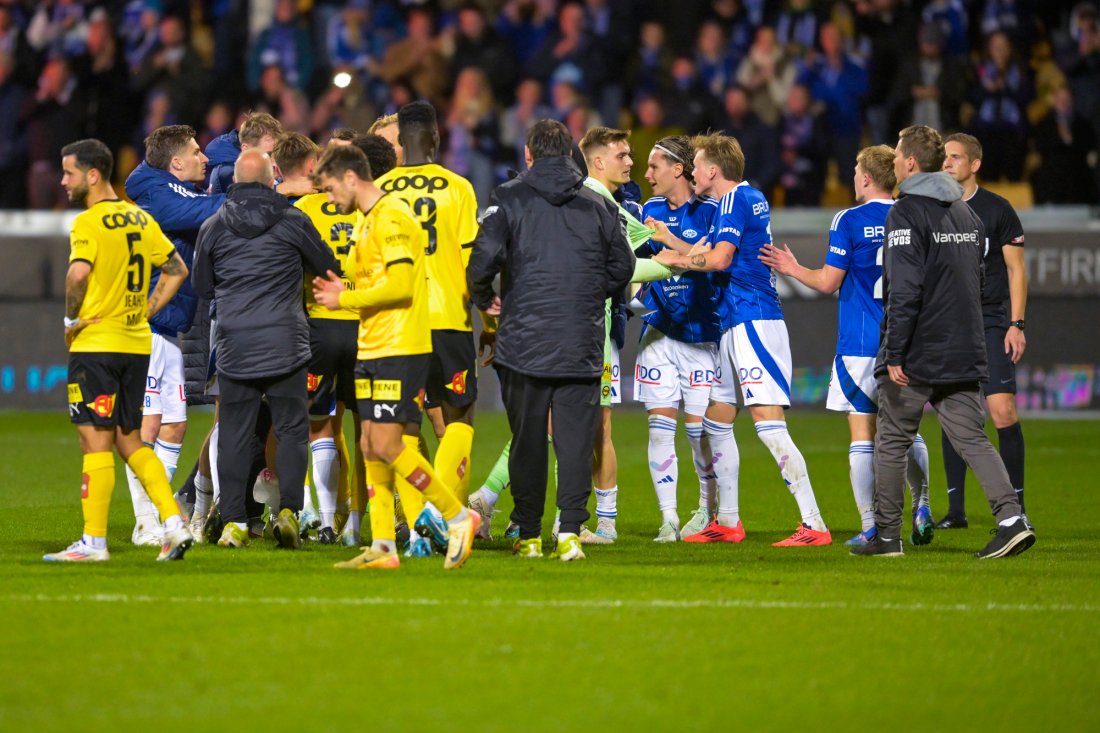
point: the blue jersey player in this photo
(754, 344)
(853, 264)
(678, 355)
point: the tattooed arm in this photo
(172, 274)
(76, 287)
(710, 260)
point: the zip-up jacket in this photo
(561, 251)
(252, 256)
(932, 284)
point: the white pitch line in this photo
(551, 603)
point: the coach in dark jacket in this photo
(933, 343)
(561, 251)
(250, 256)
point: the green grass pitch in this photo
(638, 637)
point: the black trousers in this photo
(240, 403)
(576, 417)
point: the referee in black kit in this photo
(1005, 282)
(561, 251)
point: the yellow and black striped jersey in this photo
(444, 205)
(388, 236)
(123, 244)
(335, 229)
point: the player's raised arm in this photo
(825, 280)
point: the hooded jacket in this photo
(180, 208)
(561, 250)
(251, 256)
(222, 153)
(932, 284)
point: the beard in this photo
(79, 194)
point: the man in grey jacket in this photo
(250, 256)
(933, 344)
(560, 250)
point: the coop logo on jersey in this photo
(458, 382)
(103, 405)
(313, 381)
(417, 182)
(120, 219)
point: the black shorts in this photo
(452, 377)
(1002, 372)
(333, 344)
(391, 389)
(106, 389)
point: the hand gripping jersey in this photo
(388, 236)
(683, 307)
(444, 205)
(747, 286)
(856, 238)
(123, 244)
(335, 230)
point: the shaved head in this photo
(254, 166)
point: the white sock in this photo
(704, 465)
(663, 468)
(488, 496)
(916, 472)
(386, 546)
(726, 463)
(307, 499)
(204, 491)
(607, 503)
(792, 466)
(861, 464)
(326, 465)
(99, 543)
(355, 521)
(438, 515)
(145, 511)
(173, 522)
(169, 455)
(214, 464)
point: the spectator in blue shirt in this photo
(284, 43)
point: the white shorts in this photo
(853, 387)
(759, 353)
(669, 371)
(164, 393)
(609, 385)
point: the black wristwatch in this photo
(1018, 324)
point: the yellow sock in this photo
(412, 501)
(96, 490)
(342, 474)
(150, 472)
(452, 458)
(380, 480)
(418, 472)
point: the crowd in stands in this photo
(802, 83)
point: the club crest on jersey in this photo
(690, 233)
(103, 405)
(313, 381)
(458, 382)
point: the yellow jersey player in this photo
(114, 246)
(331, 380)
(391, 297)
(445, 208)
